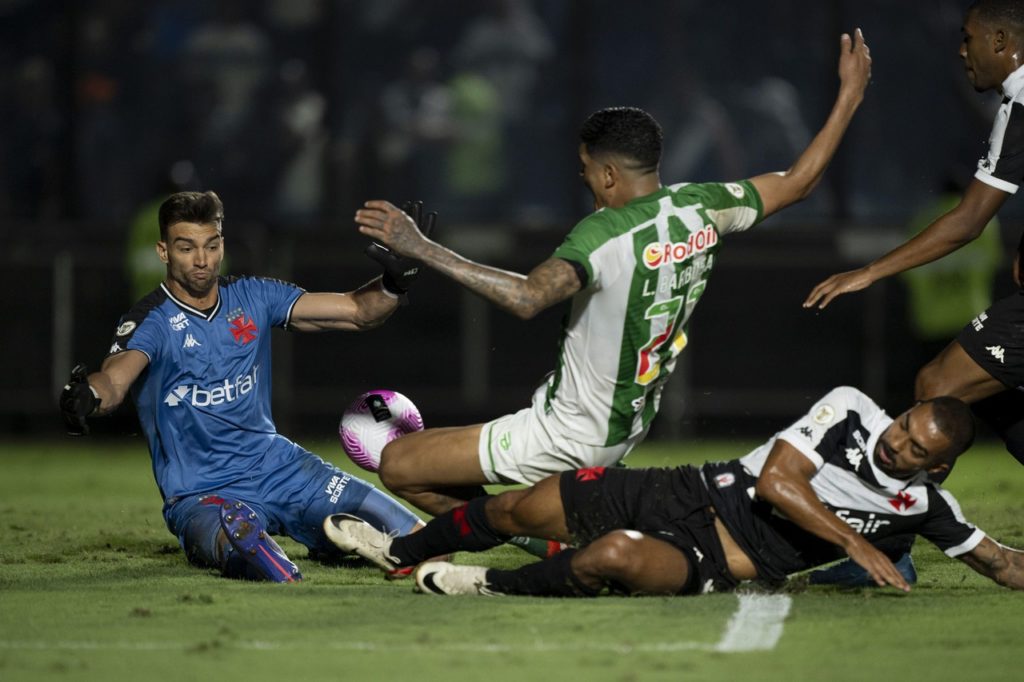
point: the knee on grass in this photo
(611, 559)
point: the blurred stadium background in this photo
(295, 111)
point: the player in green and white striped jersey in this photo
(634, 269)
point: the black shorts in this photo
(668, 504)
(995, 340)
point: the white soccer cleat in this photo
(352, 534)
(441, 577)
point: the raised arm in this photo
(549, 283)
(947, 234)
(1002, 564)
(779, 190)
(365, 308)
(785, 482)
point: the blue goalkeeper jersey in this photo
(204, 399)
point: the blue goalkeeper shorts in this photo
(294, 504)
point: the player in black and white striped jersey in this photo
(984, 365)
(840, 479)
(847, 449)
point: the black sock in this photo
(464, 529)
(549, 578)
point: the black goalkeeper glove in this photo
(399, 271)
(78, 401)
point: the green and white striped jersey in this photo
(647, 265)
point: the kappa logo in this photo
(978, 322)
(190, 342)
(998, 353)
(178, 322)
(116, 348)
(806, 431)
(657, 254)
(854, 456)
(699, 554)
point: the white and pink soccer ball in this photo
(373, 420)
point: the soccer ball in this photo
(372, 421)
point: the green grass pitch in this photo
(93, 587)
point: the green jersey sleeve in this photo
(589, 234)
(731, 206)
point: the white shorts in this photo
(526, 447)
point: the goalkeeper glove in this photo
(400, 271)
(77, 401)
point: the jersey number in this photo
(658, 349)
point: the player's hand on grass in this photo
(854, 63)
(397, 235)
(836, 285)
(77, 401)
(878, 566)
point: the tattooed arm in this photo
(1002, 564)
(549, 283)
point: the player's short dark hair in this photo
(1009, 13)
(626, 131)
(954, 419)
(201, 208)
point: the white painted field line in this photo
(757, 625)
(343, 645)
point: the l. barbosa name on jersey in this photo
(679, 279)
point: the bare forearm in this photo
(797, 501)
(109, 393)
(510, 291)
(374, 305)
(1002, 564)
(808, 169)
(365, 308)
(944, 236)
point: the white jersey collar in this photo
(1014, 83)
(191, 309)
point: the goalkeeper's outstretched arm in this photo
(90, 395)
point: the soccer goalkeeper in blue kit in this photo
(195, 355)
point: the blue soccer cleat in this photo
(849, 574)
(250, 539)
